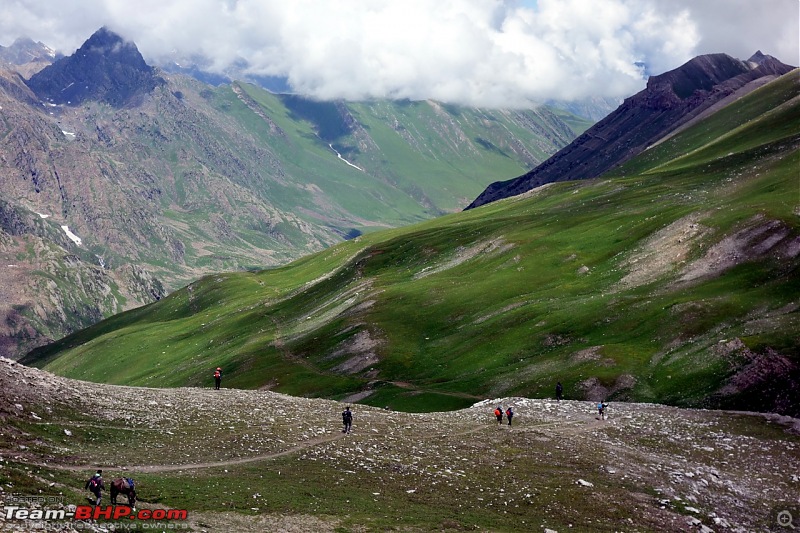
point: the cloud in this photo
(487, 53)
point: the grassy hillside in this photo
(407, 161)
(674, 280)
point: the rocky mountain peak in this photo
(759, 58)
(701, 73)
(25, 50)
(669, 100)
(105, 68)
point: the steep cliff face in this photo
(669, 100)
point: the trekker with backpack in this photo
(601, 410)
(559, 391)
(95, 486)
(498, 413)
(217, 378)
(509, 414)
(347, 420)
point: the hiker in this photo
(559, 391)
(95, 485)
(347, 420)
(601, 410)
(509, 414)
(217, 378)
(498, 412)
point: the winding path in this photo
(192, 466)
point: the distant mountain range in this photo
(669, 101)
(120, 182)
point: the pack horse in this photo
(124, 486)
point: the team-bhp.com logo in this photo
(90, 512)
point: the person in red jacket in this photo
(217, 378)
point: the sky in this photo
(485, 53)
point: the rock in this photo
(68, 433)
(586, 483)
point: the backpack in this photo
(92, 483)
(217, 374)
(509, 413)
(498, 412)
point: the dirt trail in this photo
(192, 466)
(673, 468)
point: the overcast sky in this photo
(489, 53)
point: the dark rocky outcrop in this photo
(669, 100)
(105, 68)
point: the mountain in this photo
(136, 182)
(26, 57)
(104, 69)
(252, 461)
(23, 51)
(672, 279)
(669, 100)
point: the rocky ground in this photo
(558, 467)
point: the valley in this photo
(255, 460)
(155, 228)
(671, 280)
(162, 179)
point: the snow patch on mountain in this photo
(343, 159)
(74, 238)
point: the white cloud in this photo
(479, 52)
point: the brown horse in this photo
(126, 487)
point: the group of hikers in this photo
(498, 412)
(509, 412)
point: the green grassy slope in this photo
(416, 159)
(675, 280)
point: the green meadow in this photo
(673, 279)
